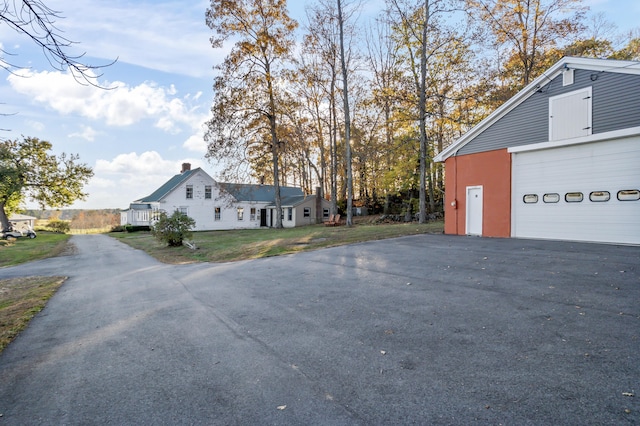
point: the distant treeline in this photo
(68, 214)
(77, 218)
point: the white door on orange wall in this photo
(474, 210)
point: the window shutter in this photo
(570, 115)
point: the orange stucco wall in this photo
(490, 169)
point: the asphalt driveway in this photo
(427, 329)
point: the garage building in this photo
(560, 160)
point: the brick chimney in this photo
(185, 167)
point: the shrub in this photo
(59, 226)
(173, 229)
(137, 228)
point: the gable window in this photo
(207, 192)
(573, 197)
(599, 196)
(189, 192)
(307, 212)
(252, 214)
(629, 195)
(217, 212)
(290, 214)
(240, 213)
(570, 115)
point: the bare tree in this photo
(36, 21)
(347, 119)
(245, 111)
(527, 30)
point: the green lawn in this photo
(16, 251)
(226, 246)
(20, 300)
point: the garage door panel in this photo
(603, 166)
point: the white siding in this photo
(600, 166)
(202, 209)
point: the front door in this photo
(474, 210)
(263, 217)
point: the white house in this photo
(219, 206)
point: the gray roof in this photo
(265, 193)
(165, 189)
(139, 206)
(293, 201)
(239, 191)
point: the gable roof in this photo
(169, 186)
(239, 191)
(265, 193)
(599, 65)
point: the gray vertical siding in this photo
(615, 106)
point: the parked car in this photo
(14, 233)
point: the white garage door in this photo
(585, 192)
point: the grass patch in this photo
(234, 245)
(20, 300)
(47, 244)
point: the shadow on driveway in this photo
(427, 329)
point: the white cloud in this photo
(148, 163)
(35, 125)
(196, 143)
(164, 35)
(87, 133)
(122, 105)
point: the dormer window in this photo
(570, 115)
(189, 192)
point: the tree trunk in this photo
(334, 146)
(4, 220)
(347, 122)
(423, 117)
(275, 148)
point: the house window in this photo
(599, 196)
(530, 198)
(573, 197)
(183, 210)
(629, 195)
(240, 213)
(570, 115)
(551, 198)
(217, 213)
(282, 214)
(325, 213)
(252, 214)
(207, 192)
(307, 212)
(189, 192)
(290, 214)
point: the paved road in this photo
(428, 329)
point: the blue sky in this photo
(137, 135)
